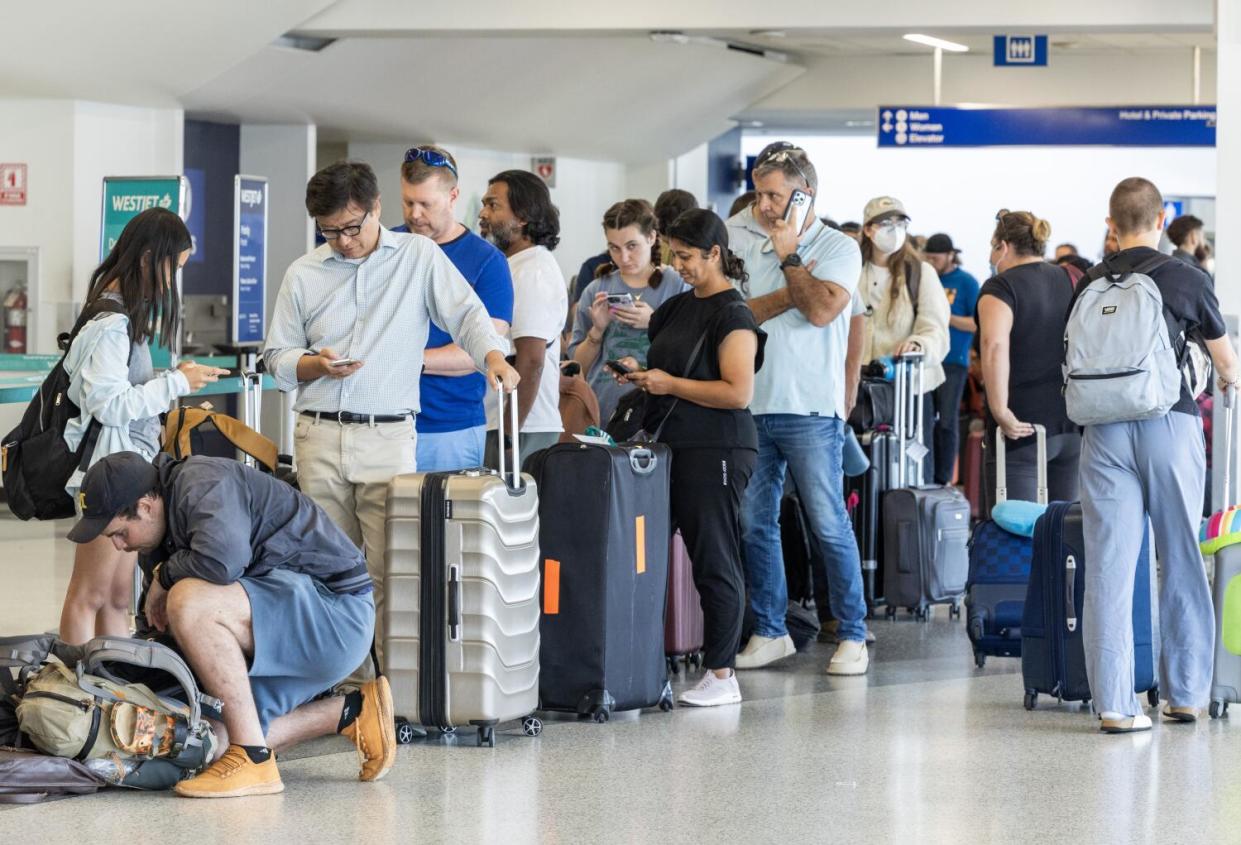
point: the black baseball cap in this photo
(114, 483)
(939, 243)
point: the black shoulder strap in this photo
(1107, 268)
(102, 305)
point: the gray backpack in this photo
(1119, 362)
(129, 709)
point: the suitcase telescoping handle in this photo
(1001, 471)
(1230, 402)
(907, 420)
(514, 482)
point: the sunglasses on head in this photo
(433, 158)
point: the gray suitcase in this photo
(462, 615)
(1226, 681)
(925, 528)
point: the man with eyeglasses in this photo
(351, 322)
(801, 291)
(452, 425)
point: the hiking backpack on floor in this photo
(129, 709)
(34, 458)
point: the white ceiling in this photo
(623, 98)
(134, 51)
(831, 42)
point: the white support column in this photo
(1228, 194)
(937, 76)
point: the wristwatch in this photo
(791, 260)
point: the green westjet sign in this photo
(125, 196)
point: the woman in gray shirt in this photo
(114, 384)
(616, 308)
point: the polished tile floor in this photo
(924, 749)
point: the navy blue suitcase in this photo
(995, 593)
(1053, 660)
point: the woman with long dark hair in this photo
(705, 349)
(615, 309)
(114, 384)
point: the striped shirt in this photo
(377, 309)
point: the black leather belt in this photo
(347, 417)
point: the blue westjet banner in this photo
(1116, 126)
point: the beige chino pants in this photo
(346, 468)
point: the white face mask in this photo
(889, 239)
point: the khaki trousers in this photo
(345, 468)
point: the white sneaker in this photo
(712, 691)
(763, 651)
(1117, 723)
(850, 659)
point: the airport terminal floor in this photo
(923, 748)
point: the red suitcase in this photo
(971, 468)
(683, 623)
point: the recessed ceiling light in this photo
(769, 33)
(932, 41)
(756, 124)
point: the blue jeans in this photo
(809, 448)
(451, 450)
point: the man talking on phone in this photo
(802, 278)
(348, 334)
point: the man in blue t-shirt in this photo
(962, 291)
(452, 424)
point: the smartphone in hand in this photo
(344, 362)
(618, 368)
(620, 300)
(800, 206)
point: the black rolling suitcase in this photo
(926, 528)
(605, 533)
(869, 488)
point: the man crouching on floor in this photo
(269, 602)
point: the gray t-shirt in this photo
(619, 340)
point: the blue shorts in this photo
(307, 639)
(446, 451)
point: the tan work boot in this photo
(374, 731)
(233, 776)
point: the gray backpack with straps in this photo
(1120, 364)
(129, 709)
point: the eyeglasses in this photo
(347, 231)
(789, 154)
(893, 223)
(433, 158)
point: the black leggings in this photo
(707, 489)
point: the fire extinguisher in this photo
(15, 320)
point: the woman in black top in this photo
(705, 348)
(1022, 312)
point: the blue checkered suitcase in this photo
(995, 594)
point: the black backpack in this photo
(35, 460)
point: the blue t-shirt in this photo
(962, 291)
(453, 403)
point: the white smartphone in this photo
(345, 362)
(801, 204)
(620, 300)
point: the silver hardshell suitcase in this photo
(462, 584)
(1226, 591)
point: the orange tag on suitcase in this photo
(551, 587)
(639, 527)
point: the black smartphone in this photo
(618, 368)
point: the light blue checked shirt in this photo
(377, 309)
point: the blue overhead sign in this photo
(249, 260)
(1021, 51)
(1117, 126)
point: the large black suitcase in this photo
(1053, 657)
(869, 488)
(605, 533)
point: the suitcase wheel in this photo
(532, 726)
(956, 611)
(487, 737)
(665, 698)
(1152, 696)
(922, 614)
(1031, 699)
(890, 612)
(1219, 709)
(980, 659)
(600, 716)
(406, 732)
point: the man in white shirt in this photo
(519, 218)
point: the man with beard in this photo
(452, 425)
(519, 218)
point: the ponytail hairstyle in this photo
(1026, 234)
(143, 264)
(633, 212)
(703, 229)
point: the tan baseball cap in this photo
(881, 208)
